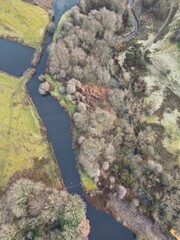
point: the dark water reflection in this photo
(56, 121)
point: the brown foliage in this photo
(36, 204)
(94, 92)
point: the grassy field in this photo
(23, 141)
(22, 22)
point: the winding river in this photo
(56, 121)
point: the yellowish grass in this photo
(22, 22)
(21, 140)
(87, 182)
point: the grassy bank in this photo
(87, 182)
(64, 17)
(22, 22)
(69, 106)
(25, 149)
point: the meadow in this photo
(22, 22)
(23, 142)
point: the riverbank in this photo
(70, 108)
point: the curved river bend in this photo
(55, 119)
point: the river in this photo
(56, 121)
(14, 58)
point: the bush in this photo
(116, 99)
(81, 121)
(90, 152)
(51, 27)
(81, 107)
(121, 191)
(70, 216)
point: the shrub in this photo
(51, 28)
(90, 151)
(116, 99)
(81, 107)
(81, 121)
(105, 166)
(110, 153)
(121, 191)
(70, 216)
(151, 165)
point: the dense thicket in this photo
(113, 5)
(31, 210)
(83, 48)
(159, 8)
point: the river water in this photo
(14, 58)
(56, 121)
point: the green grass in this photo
(22, 143)
(65, 16)
(69, 106)
(22, 22)
(87, 182)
